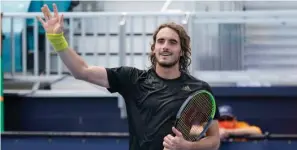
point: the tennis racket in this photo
(195, 115)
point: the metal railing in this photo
(218, 40)
(118, 31)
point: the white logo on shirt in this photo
(186, 88)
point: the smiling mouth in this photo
(165, 54)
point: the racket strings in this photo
(204, 105)
(199, 110)
(183, 124)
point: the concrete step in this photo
(271, 41)
(270, 5)
(271, 52)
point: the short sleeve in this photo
(208, 88)
(121, 78)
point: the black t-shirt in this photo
(151, 102)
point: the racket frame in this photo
(205, 128)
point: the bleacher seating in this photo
(270, 46)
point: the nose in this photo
(165, 45)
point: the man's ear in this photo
(153, 48)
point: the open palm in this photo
(52, 24)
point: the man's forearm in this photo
(244, 131)
(70, 58)
(73, 62)
(207, 143)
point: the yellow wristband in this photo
(58, 41)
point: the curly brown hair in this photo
(185, 59)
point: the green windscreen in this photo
(1, 98)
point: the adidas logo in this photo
(186, 88)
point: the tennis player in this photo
(154, 96)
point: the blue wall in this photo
(121, 143)
(63, 114)
(273, 109)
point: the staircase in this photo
(270, 46)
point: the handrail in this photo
(257, 14)
(94, 14)
(245, 78)
(64, 134)
(266, 137)
(61, 93)
(126, 134)
(283, 136)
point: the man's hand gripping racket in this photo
(192, 120)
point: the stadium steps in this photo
(270, 46)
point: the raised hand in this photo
(53, 23)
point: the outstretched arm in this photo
(53, 25)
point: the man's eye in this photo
(161, 41)
(173, 42)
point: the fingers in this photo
(168, 142)
(176, 132)
(174, 142)
(46, 12)
(61, 20)
(43, 9)
(40, 20)
(166, 146)
(56, 14)
(168, 139)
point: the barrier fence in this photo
(222, 42)
(238, 48)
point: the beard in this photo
(167, 64)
